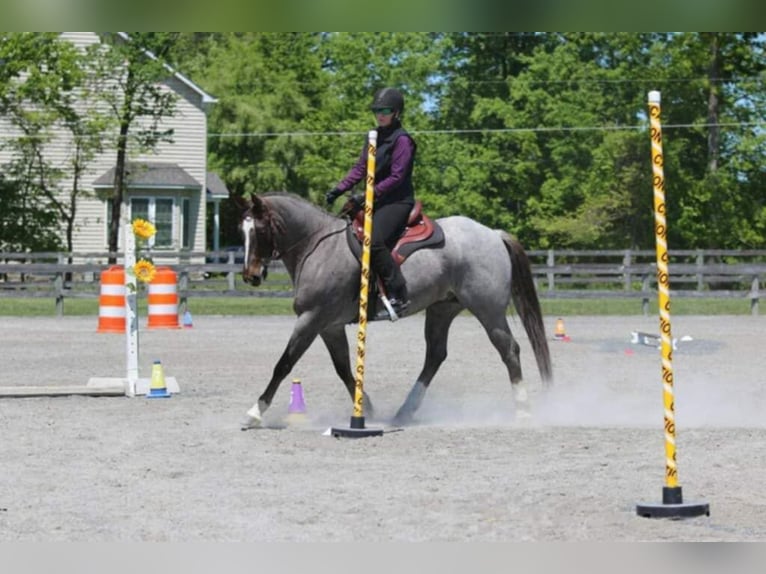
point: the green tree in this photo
(266, 84)
(714, 164)
(533, 132)
(37, 77)
(293, 108)
(358, 64)
(568, 116)
(131, 70)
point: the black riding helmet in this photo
(388, 98)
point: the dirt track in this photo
(118, 469)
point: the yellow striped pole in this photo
(357, 419)
(663, 291)
(672, 498)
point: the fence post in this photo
(183, 285)
(754, 296)
(645, 299)
(230, 276)
(551, 261)
(700, 265)
(58, 283)
(626, 260)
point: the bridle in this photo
(261, 230)
(264, 229)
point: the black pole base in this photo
(356, 430)
(673, 506)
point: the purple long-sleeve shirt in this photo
(401, 158)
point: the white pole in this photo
(131, 312)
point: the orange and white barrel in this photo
(163, 300)
(111, 301)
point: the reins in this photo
(275, 226)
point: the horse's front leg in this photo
(335, 340)
(303, 335)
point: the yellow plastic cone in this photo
(560, 334)
(157, 387)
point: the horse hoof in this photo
(253, 417)
(402, 419)
(524, 417)
(250, 423)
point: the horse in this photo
(476, 269)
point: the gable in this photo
(176, 169)
(176, 81)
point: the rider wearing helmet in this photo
(394, 193)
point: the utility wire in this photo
(223, 135)
(488, 130)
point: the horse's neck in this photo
(303, 225)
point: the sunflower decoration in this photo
(144, 270)
(143, 229)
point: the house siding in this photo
(188, 150)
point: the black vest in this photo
(386, 139)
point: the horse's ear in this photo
(242, 203)
(258, 206)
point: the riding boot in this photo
(398, 298)
(396, 286)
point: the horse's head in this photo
(258, 228)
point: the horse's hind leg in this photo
(337, 343)
(496, 326)
(439, 317)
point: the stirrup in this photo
(393, 308)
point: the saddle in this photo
(421, 231)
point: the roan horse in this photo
(477, 268)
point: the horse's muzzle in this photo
(255, 279)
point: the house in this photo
(170, 187)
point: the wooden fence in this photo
(559, 274)
(733, 274)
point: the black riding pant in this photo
(388, 223)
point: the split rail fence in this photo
(559, 274)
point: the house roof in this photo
(216, 188)
(154, 175)
(206, 98)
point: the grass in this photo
(45, 307)
(679, 306)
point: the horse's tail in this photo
(527, 305)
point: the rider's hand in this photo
(357, 201)
(331, 196)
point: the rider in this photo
(394, 192)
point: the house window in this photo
(158, 210)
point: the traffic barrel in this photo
(111, 301)
(163, 300)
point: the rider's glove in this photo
(357, 201)
(331, 196)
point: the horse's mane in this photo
(277, 204)
(293, 199)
